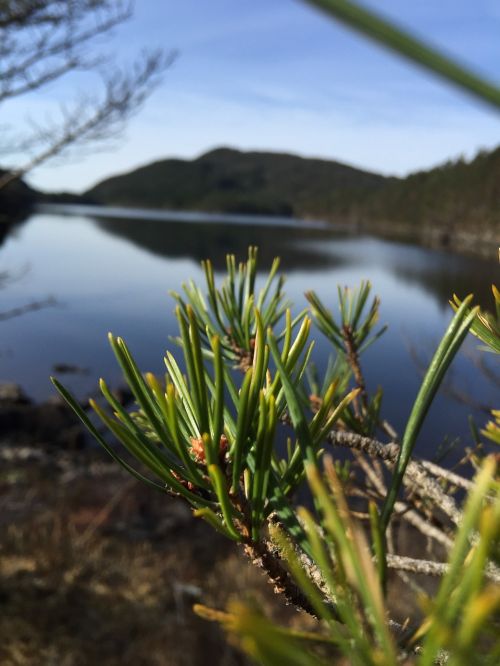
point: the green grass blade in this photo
(190, 365)
(76, 408)
(242, 423)
(214, 521)
(218, 405)
(295, 410)
(200, 387)
(445, 353)
(219, 484)
(212, 293)
(265, 290)
(404, 43)
(183, 391)
(138, 386)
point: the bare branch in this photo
(428, 568)
(40, 42)
(48, 44)
(265, 556)
(417, 476)
(30, 307)
(98, 121)
(425, 527)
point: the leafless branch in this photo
(41, 42)
(30, 307)
(47, 40)
(414, 518)
(389, 453)
(427, 568)
(93, 122)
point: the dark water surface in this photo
(111, 272)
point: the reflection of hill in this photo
(12, 223)
(16, 203)
(442, 274)
(5, 230)
(16, 200)
(198, 241)
(301, 247)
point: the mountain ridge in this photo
(230, 180)
(455, 204)
(455, 197)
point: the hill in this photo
(227, 180)
(457, 199)
(16, 199)
(457, 203)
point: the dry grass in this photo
(96, 569)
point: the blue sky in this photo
(278, 75)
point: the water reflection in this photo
(443, 274)
(303, 247)
(11, 226)
(114, 273)
(197, 241)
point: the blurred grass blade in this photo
(346, 612)
(485, 326)
(267, 644)
(462, 587)
(323, 610)
(352, 551)
(378, 542)
(446, 351)
(287, 516)
(386, 33)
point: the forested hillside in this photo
(456, 195)
(227, 180)
(456, 204)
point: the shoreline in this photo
(461, 240)
(484, 245)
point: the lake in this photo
(98, 270)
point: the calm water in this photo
(114, 273)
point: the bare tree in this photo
(42, 41)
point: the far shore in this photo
(482, 243)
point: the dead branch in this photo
(30, 307)
(427, 567)
(41, 42)
(416, 478)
